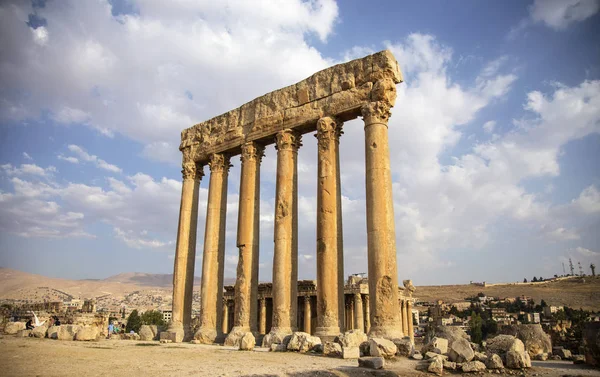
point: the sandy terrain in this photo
(44, 357)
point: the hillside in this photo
(575, 292)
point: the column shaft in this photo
(246, 285)
(225, 325)
(185, 253)
(328, 229)
(307, 314)
(411, 330)
(404, 318)
(367, 315)
(359, 319)
(262, 327)
(211, 315)
(285, 257)
(381, 239)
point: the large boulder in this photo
(404, 347)
(494, 362)
(302, 342)
(352, 338)
(451, 333)
(534, 338)
(87, 333)
(39, 332)
(53, 332)
(371, 362)
(437, 345)
(473, 366)
(130, 336)
(436, 366)
(12, 328)
(382, 347)
(67, 332)
(461, 351)
(148, 332)
(563, 353)
(23, 333)
(501, 344)
(247, 342)
(517, 360)
(332, 349)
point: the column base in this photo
(206, 336)
(387, 332)
(277, 336)
(175, 333)
(235, 335)
(327, 333)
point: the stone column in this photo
(404, 318)
(262, 326)
(411, 330)
(211, 316)
(340, 232)
(367, 317)
(359, 319)
(381, 235)
(328, 229)
(225, 326)
(185, 253)
(307, 314)
(285, 256)
(246, 285)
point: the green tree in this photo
(476, 324)
(534, 279)
(525, 280)
(134, 322)
(153, 317)
(543, 304)
(489, 327)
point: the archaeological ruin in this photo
(323, 102)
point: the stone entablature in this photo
(339, 91)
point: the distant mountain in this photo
(146, 280)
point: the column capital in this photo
(288, 139)
(328, 129)
(219, 162)
(263, 302)
(192, 170)
(252, 151)
(376, 112)
(358, 296)
(307, 299)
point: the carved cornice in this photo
(288, 140)
(252, 151)
(219, 162)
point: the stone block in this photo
(247, 342)
(350, 352)
(473, 366)
(23, 333)
(11, 328)
(173, 336)
(381, 347)
(371, 362)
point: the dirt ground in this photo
(45, 357)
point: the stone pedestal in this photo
(211, 315)
(185, 254)
(381, 238)
(328, 229)
(359, 320)
(246, 285)
(285, 257)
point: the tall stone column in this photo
(262, 324)
(211, 315)
(225, 325)
(340, 231)
(411, 329)
(381, 234)
(246, 285)
(404, 318)
(285, 256)
(359, 319)
(367, 315)
(307, 314)
(185, 253)
(328, 230)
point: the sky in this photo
(494, 138)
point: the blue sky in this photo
(494, 139)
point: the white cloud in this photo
(589, 200)
(28, 169)
(586, 252)
(562, 234)
(84, 156)
(488, 126)
(70, 159)
(559, 14)
(27, 156)
(40, 35)
(138, 242)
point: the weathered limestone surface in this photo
(339, 91)
(381, 233)
(246, 286)
(359, 319)
(11, 328)
(328, 295)
(214, 251)
(185, 254)
(285, 258)
(411, 329)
